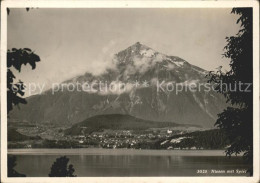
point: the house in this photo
(169, 131)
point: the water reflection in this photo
(128, 165)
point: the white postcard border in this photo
(128, 4)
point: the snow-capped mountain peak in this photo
(141, 53)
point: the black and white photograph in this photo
(153, 91)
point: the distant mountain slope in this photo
(209, 139)
(136, 63)
(13, 135)
(116, 122)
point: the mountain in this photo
(117, 122)
(136, 66)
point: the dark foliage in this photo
(237, 120)
(15, 59)
(60, 168)
(58, 144)
(11, 164)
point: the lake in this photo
(130, 162)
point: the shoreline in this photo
(101, 151)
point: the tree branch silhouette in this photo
(237, 120)
(15, 59)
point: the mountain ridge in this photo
(118, 122)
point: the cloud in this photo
(105, 60)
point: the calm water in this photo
(125, 162)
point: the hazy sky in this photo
(71, 42)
